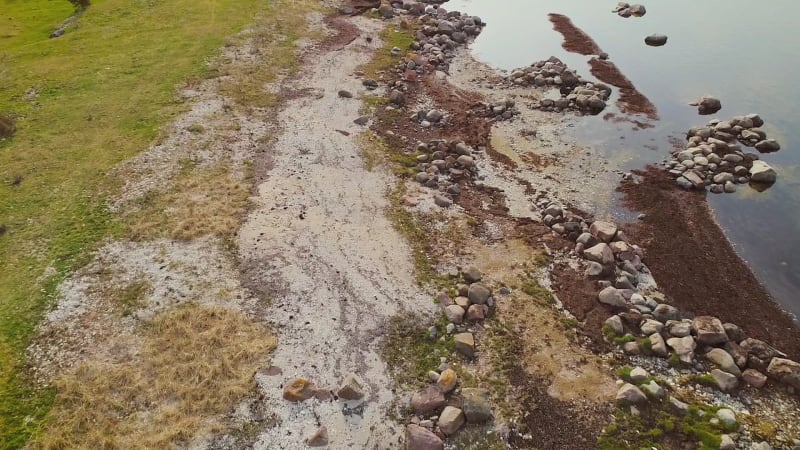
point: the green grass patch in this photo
(624, 339)
(383, 59)
(539, 293)
(411, 353)
(81, 104)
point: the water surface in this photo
(741, 53)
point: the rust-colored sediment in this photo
(631, 101)
(696, 266)
(575, 39)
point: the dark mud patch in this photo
(575, 39)
(695, 264)
(579, 296)
(630, 101)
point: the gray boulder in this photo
(709, 330)
(630, 395)
(476, 405)
(762, 172)
(786, 371)
(724, 361)
(656, 40)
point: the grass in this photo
(196, 363)
(83, 103)
(202, 202)
(383, 60)
(410, 352)
(539, 293)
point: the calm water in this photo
(745, 55)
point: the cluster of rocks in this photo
(441, 32)
(713, 158)
(642, 311)
(441, 164)
(503, 109)
(640, 388)
(436, 417)
(627, 10)
(577, 94)
(352, 390)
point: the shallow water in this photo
(743, 54)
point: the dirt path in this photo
(320, 247)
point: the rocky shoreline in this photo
(695, 361)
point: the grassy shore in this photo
(82, 102)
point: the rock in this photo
(471, 274)
(352, 387)
(631, 348)
(665, 312)
(586, 239)
(638, 10)
(724, 361)
(657, 345)
(695, 179)
(638, 375)
(615, 323)
(345, 94)
(447, 380)
(603, 231)
(299, 390)
(465, 161)
(684, 348)
(786, 371)
(363, 120)
(651, 326)
(434, 115)
(451, 420)
(454, 314)
(613, 297)
(476, 313)
(754, 378)
(727, 416)
(761, 446)
(707, 105)
(723, 177)
(725, 381)
(433, 376)
(759, 353)
(678, 407)
(600, 253)
(679, 328)
(593, 269)
(768, 146)
(442, 201)
(734, 333)
(427, 400)
(476, 405)
(465, 344)
(630, 395)
(462, 301)
(397, 97)
(418, 438)
(653, 389)
(709, 330)
(655, 40)
(386, 11)
(319, 438)
(726, 442)
(478, 293)
(761, 172)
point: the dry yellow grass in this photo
(195, 364)
(203, 202)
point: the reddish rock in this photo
(476, 313)
(709, 330)
(418, 438)
(299, 390)
(427, 400)
(754, 378)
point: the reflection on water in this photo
(744, 55)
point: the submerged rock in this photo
(655, 40)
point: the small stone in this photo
(427, 400)
(754, 378)
(638, 375)
(363, 120)
(630, 394)
(725, 381)
(651, 326)
(299, 390)
(442, 201)
(615, 323)
(345, 94)
(726, 416)
(653, 389)
(319, 438)
(471, 274)
(678, 406)
(465, 344)
(419, 438)
(724, 361)
(478, 293)
(476, 313)
(454, 314)
(476, 405)
(655, 40)
(631, 348)
(593, 269)
(462, 302)
(451, 420)
(657, 345)
(447, 380)
(433, 376)
(726, 443)
(352, 387)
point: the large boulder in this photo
(478, 293)
(656, 40)
(600, 253)
(724, 361)
(630, 395)
(759, 353)
(613, 297)
(709, 330)
(684, 348)
(665, 312)
(451, 420)
(657, 345)
(725, 381)
(786, 371)
(418, 438)
(707, 105)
